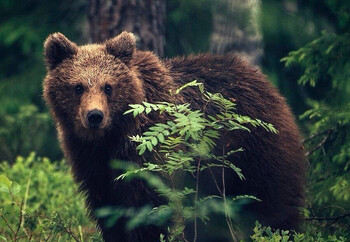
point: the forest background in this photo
(303, 46)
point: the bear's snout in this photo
(94, 118)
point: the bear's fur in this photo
(76, 82)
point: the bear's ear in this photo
(122, 46)
(58, 48)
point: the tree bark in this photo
(144, 18)
(236, 29)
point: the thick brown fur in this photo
(273, 164)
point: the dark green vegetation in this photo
(25, 125)
(40, 202)
(317, 32)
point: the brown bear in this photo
(88, 88)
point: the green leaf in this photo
(148, 110)
(160, 137)
(190, 84)
(4, 181)
(149, 146)
(246, 197)
(154, 141)
(129, 111)
(15, 189)
(142, 148)
(4, 189)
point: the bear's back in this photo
(273, 164)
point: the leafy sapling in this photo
(185, 144)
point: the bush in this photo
(265, 234)
(327, 67)
(39, 202)
(26, 130)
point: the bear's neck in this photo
(155, 77)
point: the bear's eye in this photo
(108, 89)
(79, 89)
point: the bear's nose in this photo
(95, 118)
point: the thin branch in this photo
(24, 207)
(48, 237)
(20, 220)
(8, 225)
(160, 157)
(195, 202)
(324, 208)
(29, 236)
(69, 231)
(54, 236)
(318, 134)
(319, 145)
(227, 216)
(329, 218)
(215, 181)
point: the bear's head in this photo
(89, 87)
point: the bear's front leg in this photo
(119, 232)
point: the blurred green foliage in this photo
(188, 26)
(286, 26)
(326, 66)
(24, 25)
(26, 130)
(266, 234)
(39, 202)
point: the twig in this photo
(322, 209)
(178, 210)
(48, 237)
(160, 157)
(53, 238)
(195, 202)
(318, 145)
(24, 207)
(20, 220)
(318, 134)
(227, 216)
(30, 235)
(329, 218)
(216, 183)
(69, 231)
(8, 225)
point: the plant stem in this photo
(227, 215)
(195, 202)
(20, 220)
(7, 224)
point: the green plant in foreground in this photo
(266, 234)
(185, 143)
(38, 202)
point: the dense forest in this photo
(302, 46)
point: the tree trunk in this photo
(144, 18)
(236, 29)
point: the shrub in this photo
(39, 202)
(25, 130)
(185, 144)
(326, 63)
(266, 234)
